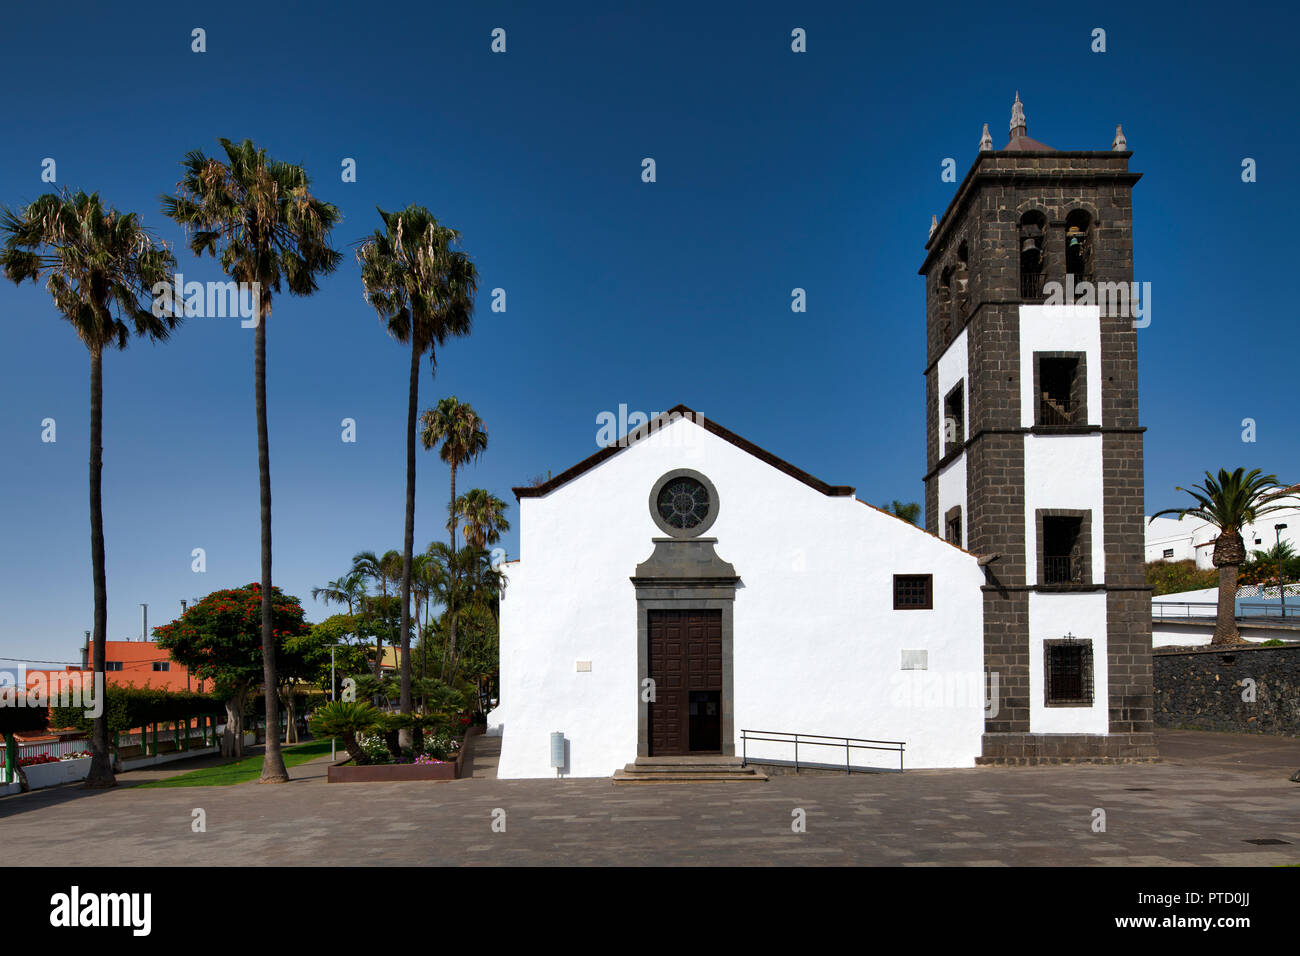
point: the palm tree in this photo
(259, 216)
(463, 436)
(349, 590)
(908, 512)
(466, 583)
(1228, 503)
(99, 266)
(1276, 562)
(346, 719)
(484, 517)
(423, 290)
(423, 570)
(383, 571)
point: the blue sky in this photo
(775, 170)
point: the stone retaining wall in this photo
(1203, 689)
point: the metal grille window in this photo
(683, 502)
(913, 592)
(1068, 672)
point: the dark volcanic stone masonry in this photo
(1203, 689)
(974, 286)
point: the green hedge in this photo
(128, 707)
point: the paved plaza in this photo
(1199, 806)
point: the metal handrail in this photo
(1244, 609)
(1061, 569)
(819, 740)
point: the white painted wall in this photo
(1051, 616)
(818, 646)
(1176, 535)
(1059, 328)
(953, 367)
(1064, 471)
(1200, 595)
(1174, 634)
(952, 493)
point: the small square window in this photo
(162, 665)
(1067, 665)
(1169, 552)
(112, 665)
(913, 592)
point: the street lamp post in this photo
(1281, 583)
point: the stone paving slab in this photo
(1198, 807)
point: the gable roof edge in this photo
(665, 418)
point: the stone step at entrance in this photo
(689, 768)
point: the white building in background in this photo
(1190, 539)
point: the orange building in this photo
(145, 664)
(136, 663)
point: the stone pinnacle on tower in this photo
(1120, 142)
(986, 141)
(934, 224)
(1019, 126)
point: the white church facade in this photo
(684, 589)
(769, 604)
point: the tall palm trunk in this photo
(1229, 552)
(101, 768)
(449, 651)
(273, 770)
(379, 636)
(406, 736)
(1225, 625)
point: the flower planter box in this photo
(250, 740)
(52, 774)
(396, 772)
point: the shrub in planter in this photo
(374, 749)
(345, 719)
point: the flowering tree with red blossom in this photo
(220, 639)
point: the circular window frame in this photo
(709, 518)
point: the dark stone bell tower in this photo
(1033, 445)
